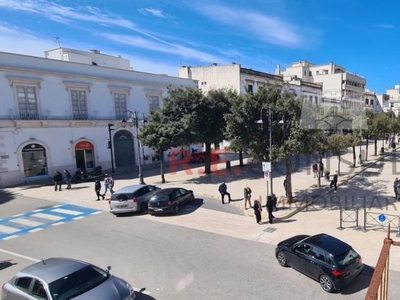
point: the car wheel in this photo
(282, 259)
(143, 207)
(326, 283)
(176, 209)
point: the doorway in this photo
(84, 155)
(34, 160)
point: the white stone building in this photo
(339, 87)
(394, 99)
(54, 113)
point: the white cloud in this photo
(155, 12)
(260, 26)
(385, 26)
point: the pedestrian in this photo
(321, 169)
(327, 175)
(275, 201)
(247, 196)
(57, 178)
(398, 192)
(334, 181)
(67, 178)
(257, 211)
(97, 189)
(108, 185)
(285, 186)
(315, 170)
(395, 184)
(270, 208)
(223, 190)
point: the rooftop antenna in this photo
(58, 41)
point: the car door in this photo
(177, 197)
(315, 260)
(184, 195)
(38, 291)
(297, 257)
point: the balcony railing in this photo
(42, 117)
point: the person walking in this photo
(57, 178)
(108, 185)
(270, 208)
(395, 185)
(285, 186)
(315, 170)
(67, 178)
(321, 169)
(247, 196)
(223, 190)
(334, 181)
(257, 211)
(97, 189)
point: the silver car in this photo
(133, 198)
(65, 278)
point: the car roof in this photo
(130, 188)
(329, 243)
(166, 191)
(52, 269)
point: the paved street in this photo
(245, 245)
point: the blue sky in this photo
(159, 36)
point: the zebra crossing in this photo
(41, 219)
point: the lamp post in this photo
(260, 122)
(135, 123)
(110, 146)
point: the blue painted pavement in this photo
(40, 219)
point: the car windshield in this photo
(162, 198)
(77, 283)
(346, 258)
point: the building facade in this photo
(55, 113)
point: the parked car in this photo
(200, 157)
(65, 278)
(169, 200)
(133, 198)
(324, 258)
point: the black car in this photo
(169, 200)
(324, 258)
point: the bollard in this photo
(357, 226)
(340, 218)
(398, 226)
(365, 220)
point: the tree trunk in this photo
(162, 166)
(338, 164)
(354, 156)
(319, 173)
(376, 146)
(366, 149)
(241, 158)
(207, 162)
(288, 164)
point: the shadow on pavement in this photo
(6, 197)
(360, 283)
(6, 264)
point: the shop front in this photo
(84, 155)
(34, 160)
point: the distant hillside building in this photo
(55, 113)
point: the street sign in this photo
(266, 166)
(266, 175)
(382, 218)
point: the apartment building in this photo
(56, 111)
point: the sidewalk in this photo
(372, 189)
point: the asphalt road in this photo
(168, 261)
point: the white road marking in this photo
(67, 211)
(58, 223)
(36, 229)
(78, 218)
(7, 229)
(26, 222)
(18, 215)
(97, 212)
(19, 255)
(47, 216)
(10, 237)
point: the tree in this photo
(200, 117)
(380, 128)
(160, 134)
(337, 143)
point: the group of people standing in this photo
(257, 207)
(108, 186)
(59, 178)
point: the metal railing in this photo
(375, 220)
(379, 284)
(349, 216)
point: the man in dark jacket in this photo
(223, 191)
(334, 181)
(57, 178)
(270, 208)
(97, 188)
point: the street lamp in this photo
(134, 123)
(110, 145)
(260, 122)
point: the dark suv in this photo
(324, 258)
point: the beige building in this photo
(394, 99)
(339, 87)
